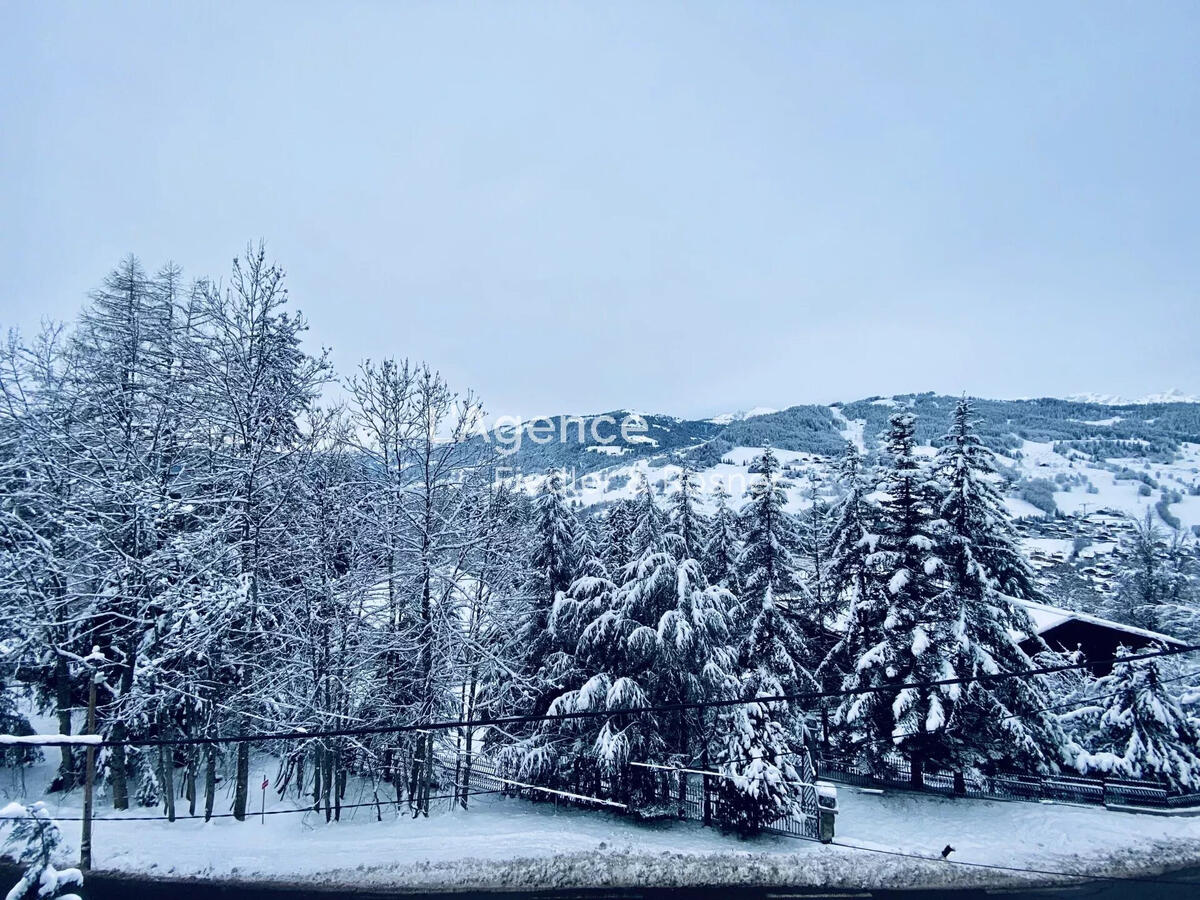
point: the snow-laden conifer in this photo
(722, 543)
(768, 559)
(686, 520)
(977, 621)
(901, 623)
(1140, 730)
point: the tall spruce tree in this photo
(978, 620)
(974, 511)
(686, 520)
(648, 529)
(618, 535)
(556, 533)
(757, 755)
(662, 638)
(910, 720)
(854, 587)
(553, 565)
(722, 545)
(1155, 581)
(853, 538)
(761, 783)
(768, 561)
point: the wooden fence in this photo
(1066, 788)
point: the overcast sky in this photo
(688, 209)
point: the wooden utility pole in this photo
(85, 840)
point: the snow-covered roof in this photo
(1046, 617)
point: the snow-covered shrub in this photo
(35, 841)
(761, 784)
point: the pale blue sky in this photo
(686, 208)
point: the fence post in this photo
(705, 796)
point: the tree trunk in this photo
(328, 783)
(917, 772)
(210, 780)
(318, 766)
(414, 780)
(116, 764)
(706, 787)
(428, 780)
(241, 788)
(62, 699)
(189, 786)
(327, 786)
(960, 784)
(166, 766)
(339, 794)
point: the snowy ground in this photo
(517, 844)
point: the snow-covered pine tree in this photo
(853, 538)
(853, 582)
(553, 565)
(648, 523)
(1180, 613)
(971, 505)
(618, 531)
(768, 560)
(555, 534)
(1154, 580)
(560, 753)
(1142, 731)
(910, 720)
(661, 638)
(813, 526)
(586, 540)
(686, 520)
(770, 656)
(36, 842)
(757, 754)
(722, 545)
(757, 760)
(978, 620)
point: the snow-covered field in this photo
(517, 844)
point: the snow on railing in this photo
(51, 740)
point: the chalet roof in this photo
(1046, 618)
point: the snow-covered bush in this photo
(35, 841)
(761, 783)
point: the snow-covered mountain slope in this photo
(1058, 456)
(740, 416)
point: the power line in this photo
(631, 711)
(1023, 870)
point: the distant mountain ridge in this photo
(1154, 427)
